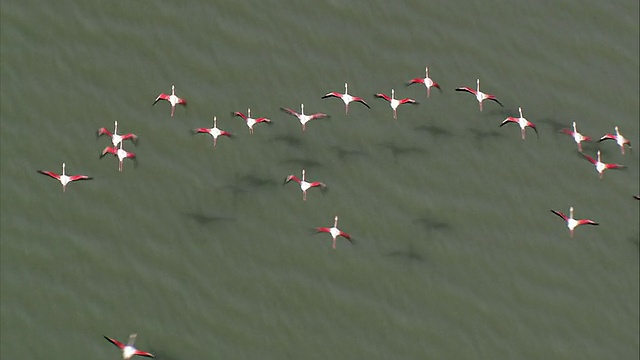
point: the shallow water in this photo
(205, 254)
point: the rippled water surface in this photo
(206, 255)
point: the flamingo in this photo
(480, 96)
(249, 120)
(571, 222)
(304, 185)
(335, 232)
(173, 99)
(620, 140)
(118, 152)
(115, 137)
(522, 122)
(395, 102)
(637, 197)
(304, 119)
(128, 350)
(214, 131)
(600, 166)
(346, 98)
(577, 137)
(427, 81)
(64, 178)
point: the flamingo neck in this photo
(478, 85)
(571, 212)
(335, 222)
(64, 166)
(346, 88)
(173, 90)
(303, 175)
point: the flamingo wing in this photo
(80, 177)
(162, 96)
(104, 131)
(240, 114)
(361, 100)
(115, 342)
(563, 216)
(143, 353)
(508, 120)
(384, 96)
(467, 89)
(493, 98)
(590, 159)
(607, 137)
(415, 81)
(49, 173)
(587, 222)
(531, 125)
(332, 94)
(292, 177)
(290, 112)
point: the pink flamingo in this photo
(577, 137)
(600, 166)
(128, 350)
(64, 178)
(571, 222)
(522, 122)
(118, 152)
(115, 137)
(304, 185)
(214, 131)
(346, 98)
(427, 81)
(480, 96)
(302, 117)
(394, 103)
(173, 99)
(335, 232)
(620, 140)
(249, 120)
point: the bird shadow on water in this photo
(342, 153)
(434, 130)
(481, 135)
(431, 223)
(401, 151)
(204, 219)
(556, 125)
(243, 184)
(288, 140)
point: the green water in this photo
(206, 255)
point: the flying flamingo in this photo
(115, 137)
(620, 140)
(128, 351)
(214, 131)
(64, 178)
(577, 137)
(304, 185)
(600, 166)
(427, 81)
(118, 152)
(395, 102)
(522, 122)
(304, 119)
(346, 98)
(571, 222)
(335, 232)
(249, 120)
(173, 99)
(480, 96)
(637, 197)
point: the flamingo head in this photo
(599, 156)
(248, 112)
(393, 93)
(574, 127)
(478, 83)
(346, 86)
(303, 174)
(335, 221)
(215, 121)
(571, 212)
(173, 89)
(617, 131)
(520, 111)
(64, 166)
